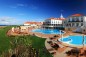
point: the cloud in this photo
(18, 5)
(13, 6)
(4, 23)
(7, 21)
(6, 18)
(33, 6)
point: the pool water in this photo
(74, 40)
(47, 31)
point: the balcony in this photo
(53, 25)
(76, 21)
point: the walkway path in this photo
(60, 52)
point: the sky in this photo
(19, 11)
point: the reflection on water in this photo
(47, 31)
(75, 40)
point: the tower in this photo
(61, 16)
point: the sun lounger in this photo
(61, 46)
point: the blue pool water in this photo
(47, 31)
(74, 40)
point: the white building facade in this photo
(54, 23)
(75, 21)
(33, 24)
(84, 25)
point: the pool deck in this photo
(63, 46)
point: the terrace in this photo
(54, 46)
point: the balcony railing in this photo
(75, 21)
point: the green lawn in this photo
(4, 39)
(39, 43)
(36, 42)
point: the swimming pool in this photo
(73, 40)
(47, 31)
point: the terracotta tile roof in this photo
(56, 19)
(77, 15)
(33, 23)
(61, 18)
(50, 18)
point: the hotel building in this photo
(54, 23)
(33, 24)
(83, 28)
(74, 21)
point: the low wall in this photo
(70, 29)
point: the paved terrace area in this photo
(63, 48)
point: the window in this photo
(77, 19)
(81, 19)
(81, 24)
(73, 19)
(72, 24)
(77, 24)
(58, 22)
(70, 19)
(52, 22)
